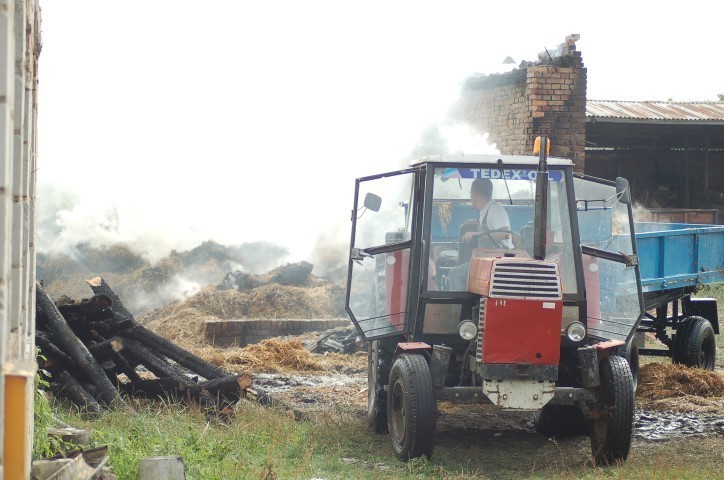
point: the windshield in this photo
(499, 204)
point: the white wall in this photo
(19, 50)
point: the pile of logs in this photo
(97, 353)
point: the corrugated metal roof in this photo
(696, 112)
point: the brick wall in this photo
(243, 332)
(547, 97)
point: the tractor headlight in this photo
(467, 330)
(576, 331)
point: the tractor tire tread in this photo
(689, 341)
(422, 407)
(618, 397)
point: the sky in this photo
(165, 123)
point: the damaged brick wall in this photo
(547, 97)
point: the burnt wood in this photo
(67, 386)
(66, 339)
(123, 322)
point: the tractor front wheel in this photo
(611, 433)
(630, 352)
(411, 407)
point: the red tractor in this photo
(550, 296)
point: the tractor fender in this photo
(413, 347)
(590, 358)
(605, 349)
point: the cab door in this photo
(610, 262)
(378, 278)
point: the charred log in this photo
(125, 367)
(105, 349)
(227, 389)
(162, 388)
(224, 391)
(159, 367)
(124, 323)
(72, 345)
(51, 352)
(179, 355)
(96, 307)
(67, 386)
(100, 287)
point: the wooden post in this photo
(687, 176)
(706, 170)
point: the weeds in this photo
(43, 444)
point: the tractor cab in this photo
(491, 279)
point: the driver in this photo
(492, 217)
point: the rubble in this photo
(339, 340)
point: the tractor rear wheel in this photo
(611, 433)
(557, 421)
(694, 344)
(379, 358)
(411, 407)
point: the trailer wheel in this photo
(695, 344)
(411, 407)
(558, 421)
(611, 433)
(379, 357)
(630, 352)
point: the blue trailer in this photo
(675, 261)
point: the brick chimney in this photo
(546, 97)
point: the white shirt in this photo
(497, 218)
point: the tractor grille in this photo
(529, 279)
(481, 327)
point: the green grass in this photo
(261, 443)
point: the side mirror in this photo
(373, 202)
(623, 191)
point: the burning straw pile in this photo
(272, 355)
(666, 386)
(95, 349)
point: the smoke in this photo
(67, 219)
(80, 235)
(331, 252)
(451, 138)
(641, 213)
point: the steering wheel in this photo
(497, 243)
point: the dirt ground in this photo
(482, 434)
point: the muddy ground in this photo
(343, 384)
